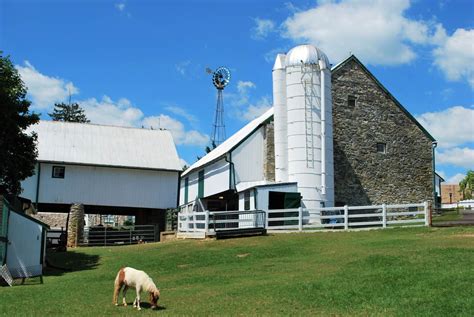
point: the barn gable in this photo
(381, 152)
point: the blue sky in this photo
(142, 63)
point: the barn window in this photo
(58, 171)
(247, 200)
(351, 101)
(381, 148)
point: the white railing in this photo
(299, 219)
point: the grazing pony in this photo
(129, 277)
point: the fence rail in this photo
(299, 219)
(108, 236)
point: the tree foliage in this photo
(466, 186)
(17, 148)
(69, 113)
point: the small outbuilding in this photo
(22, 242)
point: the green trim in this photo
(355, 59)
(43, 238)
(38, 185)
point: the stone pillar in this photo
(75, 228)
(269, 153)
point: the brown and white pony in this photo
(129, 277)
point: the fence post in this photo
(206, 222)
(300, 219)
(266, 219)
(427, 211)
(105, 235)
(346, 217)
(384, 215)
(130, 238)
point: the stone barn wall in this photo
(362, 175)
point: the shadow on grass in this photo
(63, 262)
(144, 305)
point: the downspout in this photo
(434, 144)
(38, 186)
(231, 171)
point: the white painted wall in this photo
(24, 247)
(248, 158)
(216, 180)
(105, 186)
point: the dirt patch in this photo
(243, 255)
(465, 235)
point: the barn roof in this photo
(100, 145)
(231, 143)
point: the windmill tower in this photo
(220, 79)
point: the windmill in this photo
(220, 79)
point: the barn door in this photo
(3, 230)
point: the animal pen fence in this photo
(118, 235)
(199, 224)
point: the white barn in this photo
(108, 169)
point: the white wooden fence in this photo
(201, 224)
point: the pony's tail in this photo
(118, 285)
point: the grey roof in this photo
(100, 145)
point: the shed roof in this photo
(231, 143)
(101, 145)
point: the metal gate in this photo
(121, 235)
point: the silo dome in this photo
(308, 54)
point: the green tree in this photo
(70, 113)
(17, 148)
(466, 186)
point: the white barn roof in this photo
(229, 144)
(92, 144)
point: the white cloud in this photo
(462, 157)
(455, 56)
(43, 90)
(255, 110)
(262, 28)
(376, 31)
(177, 129)
(243, 86)
(108, 112)
(181, 112)
(450, 127)
(120, 6)
(182, 67)
(455, 179)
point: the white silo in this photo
(280, 121)
(309, 123)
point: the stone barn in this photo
(334, 136)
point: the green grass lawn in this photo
(395, 272)
(451, 215)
